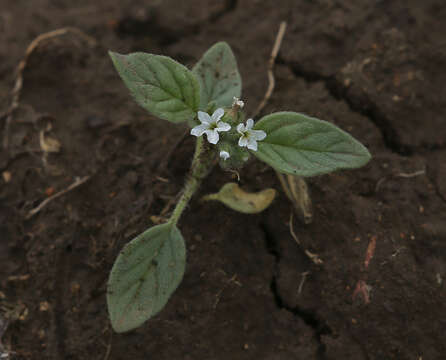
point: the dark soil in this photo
(374, 68)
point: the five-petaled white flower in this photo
(210, 125)
(224, 155)
(249, 137)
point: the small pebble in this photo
(7, 176)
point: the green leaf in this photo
(218, 76)
(301, 145)
(239, 200)
(162, 86)
(144, 276)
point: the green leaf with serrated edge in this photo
(301, 145)
(144, 276)
(162, 86)
(218, 75)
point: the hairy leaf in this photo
(144, 276)
(301, 145)
(218, 75)
(162, 86)
(239, 200)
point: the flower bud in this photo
(233, 117)
(237, 155)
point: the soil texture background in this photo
(374, 68)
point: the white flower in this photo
(249, 137)
(237, 102)
(210, 125)
(224, 155)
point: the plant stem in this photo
(202, 164)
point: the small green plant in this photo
(151, 266)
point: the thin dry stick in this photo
(399, 175)
(301, 285)
(411, 175)
(108, 351)
(305, 205)
(45, 202)
(293, 234)
(21, 67)
(272, 60)
(313, 257)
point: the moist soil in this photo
(374, 68)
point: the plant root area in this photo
(84, 169)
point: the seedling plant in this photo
(207, 98)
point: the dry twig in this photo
(272, 60)
(21, 67)
(45, 202)
(299, 197)
(411, 175)
(399, 175)
(109, 345)
(312, 256)
(302, 281)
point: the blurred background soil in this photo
(374, 68)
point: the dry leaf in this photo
(237, 199)
(296, 190)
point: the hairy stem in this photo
(202, 165)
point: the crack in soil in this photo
(310, 317)
(359, 104)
